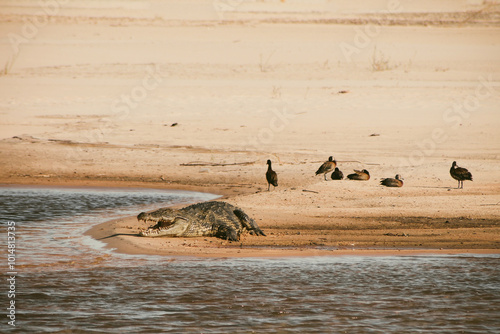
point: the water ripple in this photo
(112, 293)
(363, 295)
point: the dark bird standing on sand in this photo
(390, 182)
(361, 175)
(327, 167)
(271, 176)
(337, 174)
(460, 174)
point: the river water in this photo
(69, 283)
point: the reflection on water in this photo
(115, 293)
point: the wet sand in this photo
(150, 97)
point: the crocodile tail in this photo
(248, 222)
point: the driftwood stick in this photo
(357, 161)
(489, 204)
(213, 164)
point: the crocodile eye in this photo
(165, 222)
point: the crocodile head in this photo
(168, 223)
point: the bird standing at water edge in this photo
(460, 174)
(271, 176)
(390, 182)
(327, 167)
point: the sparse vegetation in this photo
(441, 69)
(276, 94)
(326, 65)
(8, 65)
(264, 63)
(381, 62)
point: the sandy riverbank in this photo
(145, 95)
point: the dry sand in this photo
(89, 96)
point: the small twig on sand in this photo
(357, 161)
(212, 164)
(489, 204)
(310, 191)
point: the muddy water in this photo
(69, 283)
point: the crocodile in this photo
(211, 219)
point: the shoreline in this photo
(202, 247)
(123, 236)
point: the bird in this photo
(392, 182)
(460, 174)
(337, 174)
(271, 176)
(327, 167)
(361, 175)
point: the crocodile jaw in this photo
(176, 229)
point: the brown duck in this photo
(337, 174)
(271, 176)
(361, 175)
(390, 182)
(460, 174)
(327, 167)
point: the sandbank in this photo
(152, 95)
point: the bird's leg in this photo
(268, 186)
(325, 177)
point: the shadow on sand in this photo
(117, 234)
